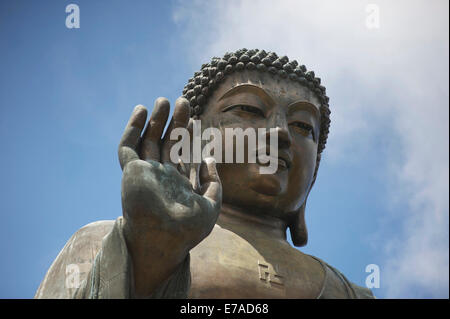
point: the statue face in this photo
(252, 99)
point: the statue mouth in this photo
(283, 161)
(283, 164)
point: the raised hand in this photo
(164, 216)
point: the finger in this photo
(182, 168)
(194, 177)
(180, 119)
(151, 140)
(211, 187)
(190, 163)
(130, 138)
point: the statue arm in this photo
(111, 273)
(145, 253)
(164, 213)
(337, 286)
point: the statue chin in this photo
(269, 185)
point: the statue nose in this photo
(284, 137)
(282, 129)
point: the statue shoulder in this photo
(74, 261)
(337, 286)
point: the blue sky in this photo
(66, 94)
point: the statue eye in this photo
(303, 128)
(247, 109)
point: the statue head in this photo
(258, 89)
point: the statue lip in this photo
(284, 157)
(283, 163)
(284, 160)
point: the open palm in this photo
(155, 195)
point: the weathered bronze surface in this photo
(214, 230)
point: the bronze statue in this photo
(212, 230)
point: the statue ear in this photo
(299, 232)
(297, 226)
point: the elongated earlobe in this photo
(297, 226)
(299, 232)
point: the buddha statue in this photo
(212, 229)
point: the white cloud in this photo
(397, 74)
